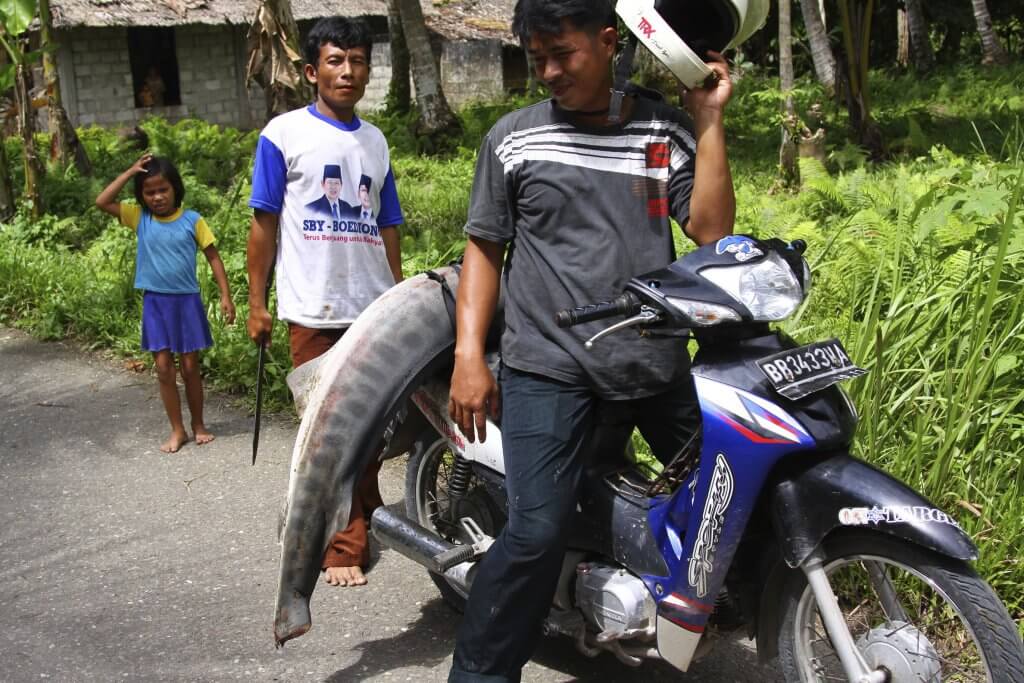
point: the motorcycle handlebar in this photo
(626, 304)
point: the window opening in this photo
(154, 64)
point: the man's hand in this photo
(713, 98)
(259, 325)
(474, 395)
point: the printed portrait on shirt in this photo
(365, 207)
(330, 203)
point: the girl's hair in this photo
(160, 166)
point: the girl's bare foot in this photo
(344, 576)
(175, 442)
(203, 435)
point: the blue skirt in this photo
(174, 321)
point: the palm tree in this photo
(821, 52)
(787, 151)
(922, 56)
(436, 122)
(6, 184)
(274, 60)
(399, 94)
(34, 170)
(992, 50)
(65, 147)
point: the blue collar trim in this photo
(340, 125)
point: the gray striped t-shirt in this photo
(584, 209)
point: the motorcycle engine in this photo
(614, 601)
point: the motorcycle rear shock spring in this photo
(462, 472)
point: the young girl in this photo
(173, 317)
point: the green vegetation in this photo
(917, 268)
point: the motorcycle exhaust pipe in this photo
(423, 546)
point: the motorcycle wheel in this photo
(428, 475)
(920, 615)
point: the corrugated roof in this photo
(453, 19)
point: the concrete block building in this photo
(123, 60)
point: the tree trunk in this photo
(821, 52)
(532, 84)
(788, 150)
(437, 123)
(902, 39)
(65, 147)
(949, 50)
(856, 18)
(922, 56)
(399, 97)
(27, 128)
(991, 48)
(274, 60)
(6, 184)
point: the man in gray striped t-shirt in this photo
(586, 205)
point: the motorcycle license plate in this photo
(798, 372)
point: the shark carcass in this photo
(352, 400)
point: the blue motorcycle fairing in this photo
(826, 414)
(701, 525)
(842, 491)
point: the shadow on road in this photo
(427, 643)
(431, 639)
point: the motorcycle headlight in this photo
(704, 314)
(768, 288)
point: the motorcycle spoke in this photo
(886, 592)
(925, 629)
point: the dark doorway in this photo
(154, 62)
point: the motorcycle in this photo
(765, 522)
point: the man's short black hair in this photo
(546, 16)
(160, 166)
(341, 32)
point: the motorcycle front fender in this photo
(841, 491)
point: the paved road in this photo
(118, 562)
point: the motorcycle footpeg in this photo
(478, 544)
(453, 557)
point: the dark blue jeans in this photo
(543, 427)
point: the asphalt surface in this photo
(119, 562)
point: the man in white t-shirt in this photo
(331, 261)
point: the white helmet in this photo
(679, 32)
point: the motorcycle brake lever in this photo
(646, 316)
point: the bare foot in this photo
(203, 435)
(175, 442)
(344, 576)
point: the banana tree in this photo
(65, 147)
(15, 17)
(274, 60)
(856, 16)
